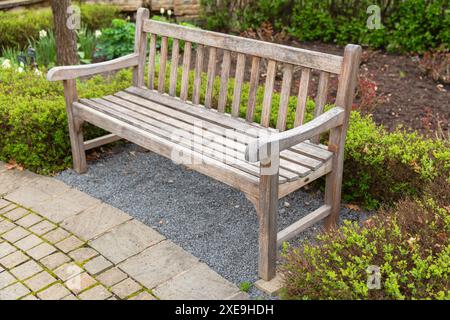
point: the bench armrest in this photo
(74, 72)
(260, 149)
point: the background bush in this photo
(17, 27)
(410, 243)
(410, 25)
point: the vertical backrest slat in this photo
(163, 64)
(284, 98)
(174, 67)
(151, 62)
(268, 93)
(321, 98)
(198, 74)
(140, 47)
(186, 67)
(302, 97)
(211, 76)
(225, 74)
(239, 79)
(254, 81)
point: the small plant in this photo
(245, 286)
(369, 97)
(116, 41)
(87, 42)
(45, 48)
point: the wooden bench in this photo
(265, 163)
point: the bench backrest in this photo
(256, 53)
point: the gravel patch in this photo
(214, 222)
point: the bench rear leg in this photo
(267, 214)
(75, 128)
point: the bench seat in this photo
(217, 138)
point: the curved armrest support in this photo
(263, 148)
(74, 72)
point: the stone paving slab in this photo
(57, 243)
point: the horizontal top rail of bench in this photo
(296, 56)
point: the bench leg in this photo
(333, 183)
(75, 128)
(267, 214)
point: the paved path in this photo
(59, 243)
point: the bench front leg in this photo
(267, 215)
(75, 127)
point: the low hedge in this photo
(409, 243)
(379, 166)
(17, 27)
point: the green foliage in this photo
(409, 243)
(17, 27)
(116, 41)
(411, 25)
(245, 286)
(33, 118)
(87, 42)
(45, 46)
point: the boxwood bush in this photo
(17, 27)
(409, 243)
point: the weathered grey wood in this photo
(284, 97)
(174, 67)
(211, 76)
(321, 99)
(140, 46)
(268, 93)
(254, 82)
(151, 62)
(75, 127)
(185, 74)
(238, 81)
(224, 76)
(163, 64)
(100, 141)
(267, 50)
(302, 97)
(267, 214)
(301, 225)
(198, 74)
(74, 72)
(287, 139)
(344, 98)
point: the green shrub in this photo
(411, 25)
(409, 243)
(17, 27)
(33, 118)
(116, 41)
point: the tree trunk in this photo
(65, 33)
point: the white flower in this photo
(169, 12)
(6, 64)
(19, 69)
(98, 33)
(37, 72)
(42, 34)
(161, 10)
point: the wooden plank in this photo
(321, 99)
(163, 64)
(100, 141)
(151, 62)
(225, 73)
(267, 50)
(198, 74)
(302, 97)
(267, 214)
(185, 74)
(74, 72)
(301, 225)
(211, 76)
(301, 159)
(268, 93)
(238, 81)
(174, 67)
(312, 151)
(140, 46)
(254, 82)
(284, 96)
(210, 167)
